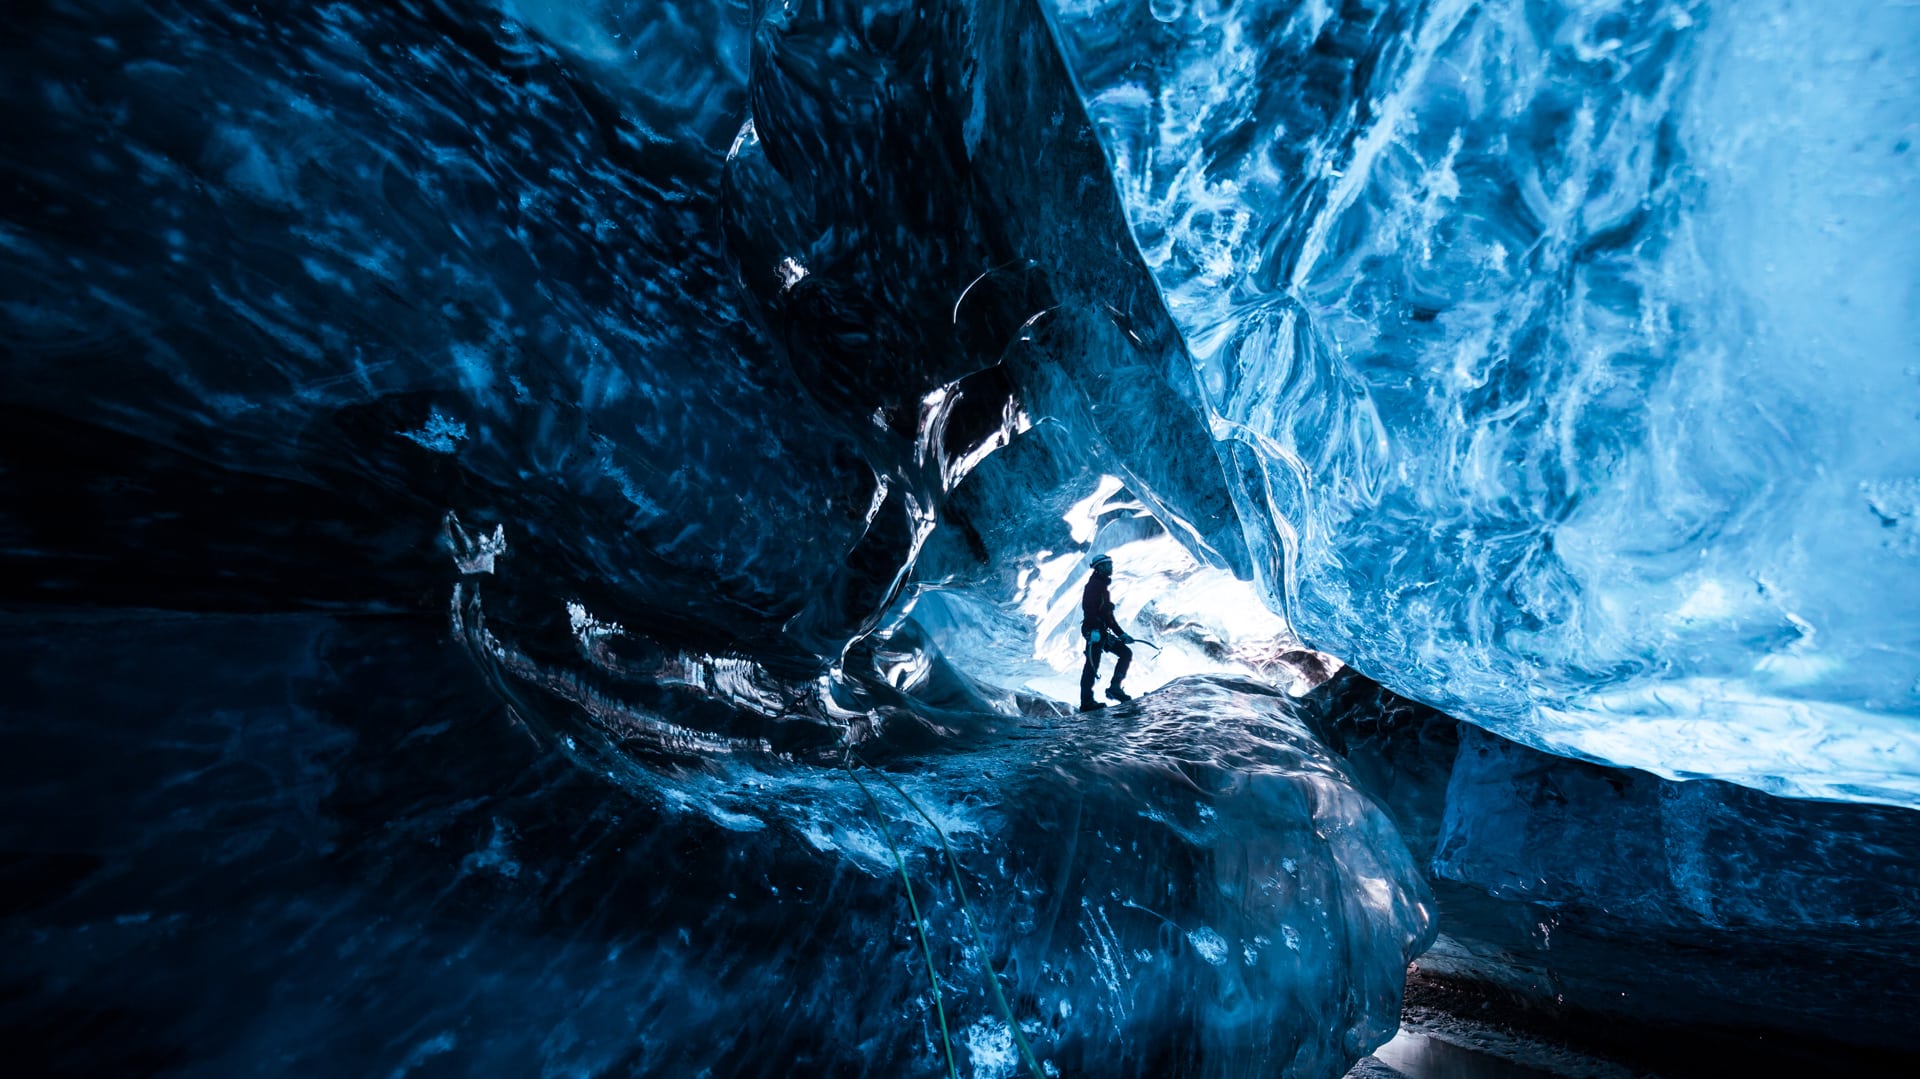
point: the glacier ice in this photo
(1703, 906)
(333, 853)
(1431, 319)
(1564, 351)
(735, 384)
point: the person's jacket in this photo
(1096, 607)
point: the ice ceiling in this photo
(1551, 363)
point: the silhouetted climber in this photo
(1103, 634)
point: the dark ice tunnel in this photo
(545, 537)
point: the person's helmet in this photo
(1101, 560)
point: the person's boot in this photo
(1115, 693)
(1088, 704)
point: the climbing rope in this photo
(919, 923)
(979, 945)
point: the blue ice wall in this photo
(465, 467)
(414, 259)
(707, 315)
(1434, 319)
(1565, 349)
(457, 468)
(1741, 931)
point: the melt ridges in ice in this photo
(1562, 353)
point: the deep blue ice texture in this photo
(1673, 908)
(419, 257)
(647, 351)
(1566, 351)
(332, 851)
(709, 305)
(1503, 344)
(637, 349)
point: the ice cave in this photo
(559, 538)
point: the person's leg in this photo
(1120, 649)
(1089, 674)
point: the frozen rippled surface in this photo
(1563, 352)
(305, 864)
